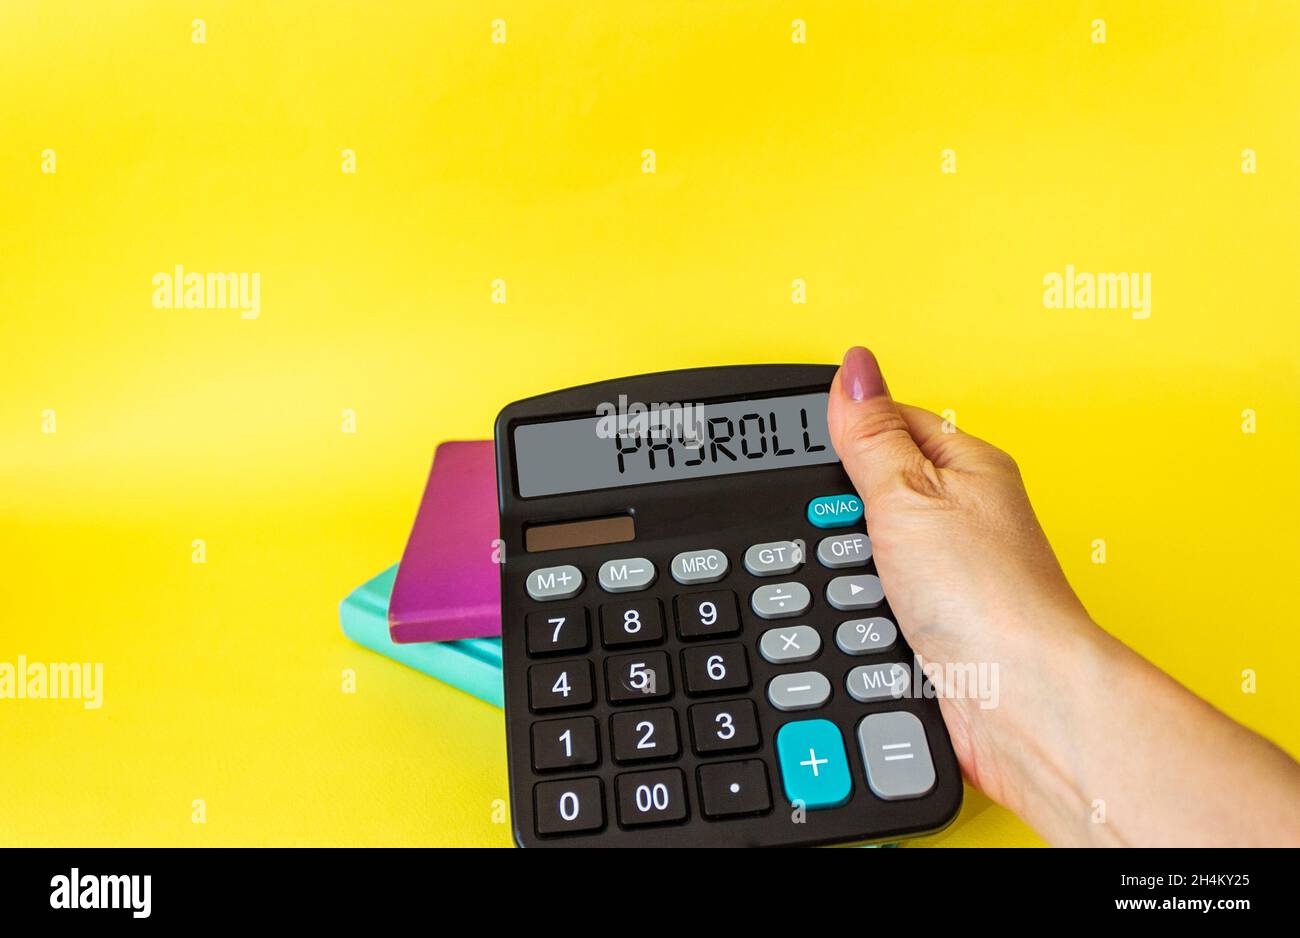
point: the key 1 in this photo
(553, 631)
(560, 685)
(644, 734)
(657, 797)
(727, 726)
(634, 678)
(715, 669)
(707, 614)
(569, 806)
(565, 744)
(631, 623)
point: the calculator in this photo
(696, 648)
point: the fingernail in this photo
(860, 375)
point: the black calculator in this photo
(697, 650)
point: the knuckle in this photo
(922, 478)
(1006, 461)
(916, 484)
(870, 429)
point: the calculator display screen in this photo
(634, 444)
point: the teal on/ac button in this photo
(835, 511)
(814, 765)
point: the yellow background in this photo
(522, 161)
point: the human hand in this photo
(974, 584)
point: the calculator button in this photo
(870, 682)
(636, 678)
(631, 623)
(835, 511)
(866, 636)
(565, 744)
(730, 789)
(551, 631)
(791, 644)
(773, 558)
(714, 669)
(569, 806)
(556, 686)
(801, 690)
(699, 566)
(626, 575)
(780, 600)
(844, 550)
(701, 615)
(814, 765)
(896, 755)
(728, 726)
(551, 583)
(859, 591)
(657, 797)
(645, 734)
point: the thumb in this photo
(869, 432)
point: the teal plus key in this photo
(814, 766)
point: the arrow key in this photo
(861, 591)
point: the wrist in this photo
(1054, 676)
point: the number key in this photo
(634, 623)
(552, 631)
(569, 806)
(634, 678)
(556, 686)
(651, 797)
(707, 614)
(714, 669)
(564, 744)
(644, 734)
(728, 726)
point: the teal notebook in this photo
(472, 665)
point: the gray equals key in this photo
(896, 754)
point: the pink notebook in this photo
(448, 584)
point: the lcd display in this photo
(663, 443)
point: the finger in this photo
(869, 432)
(925, 426)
